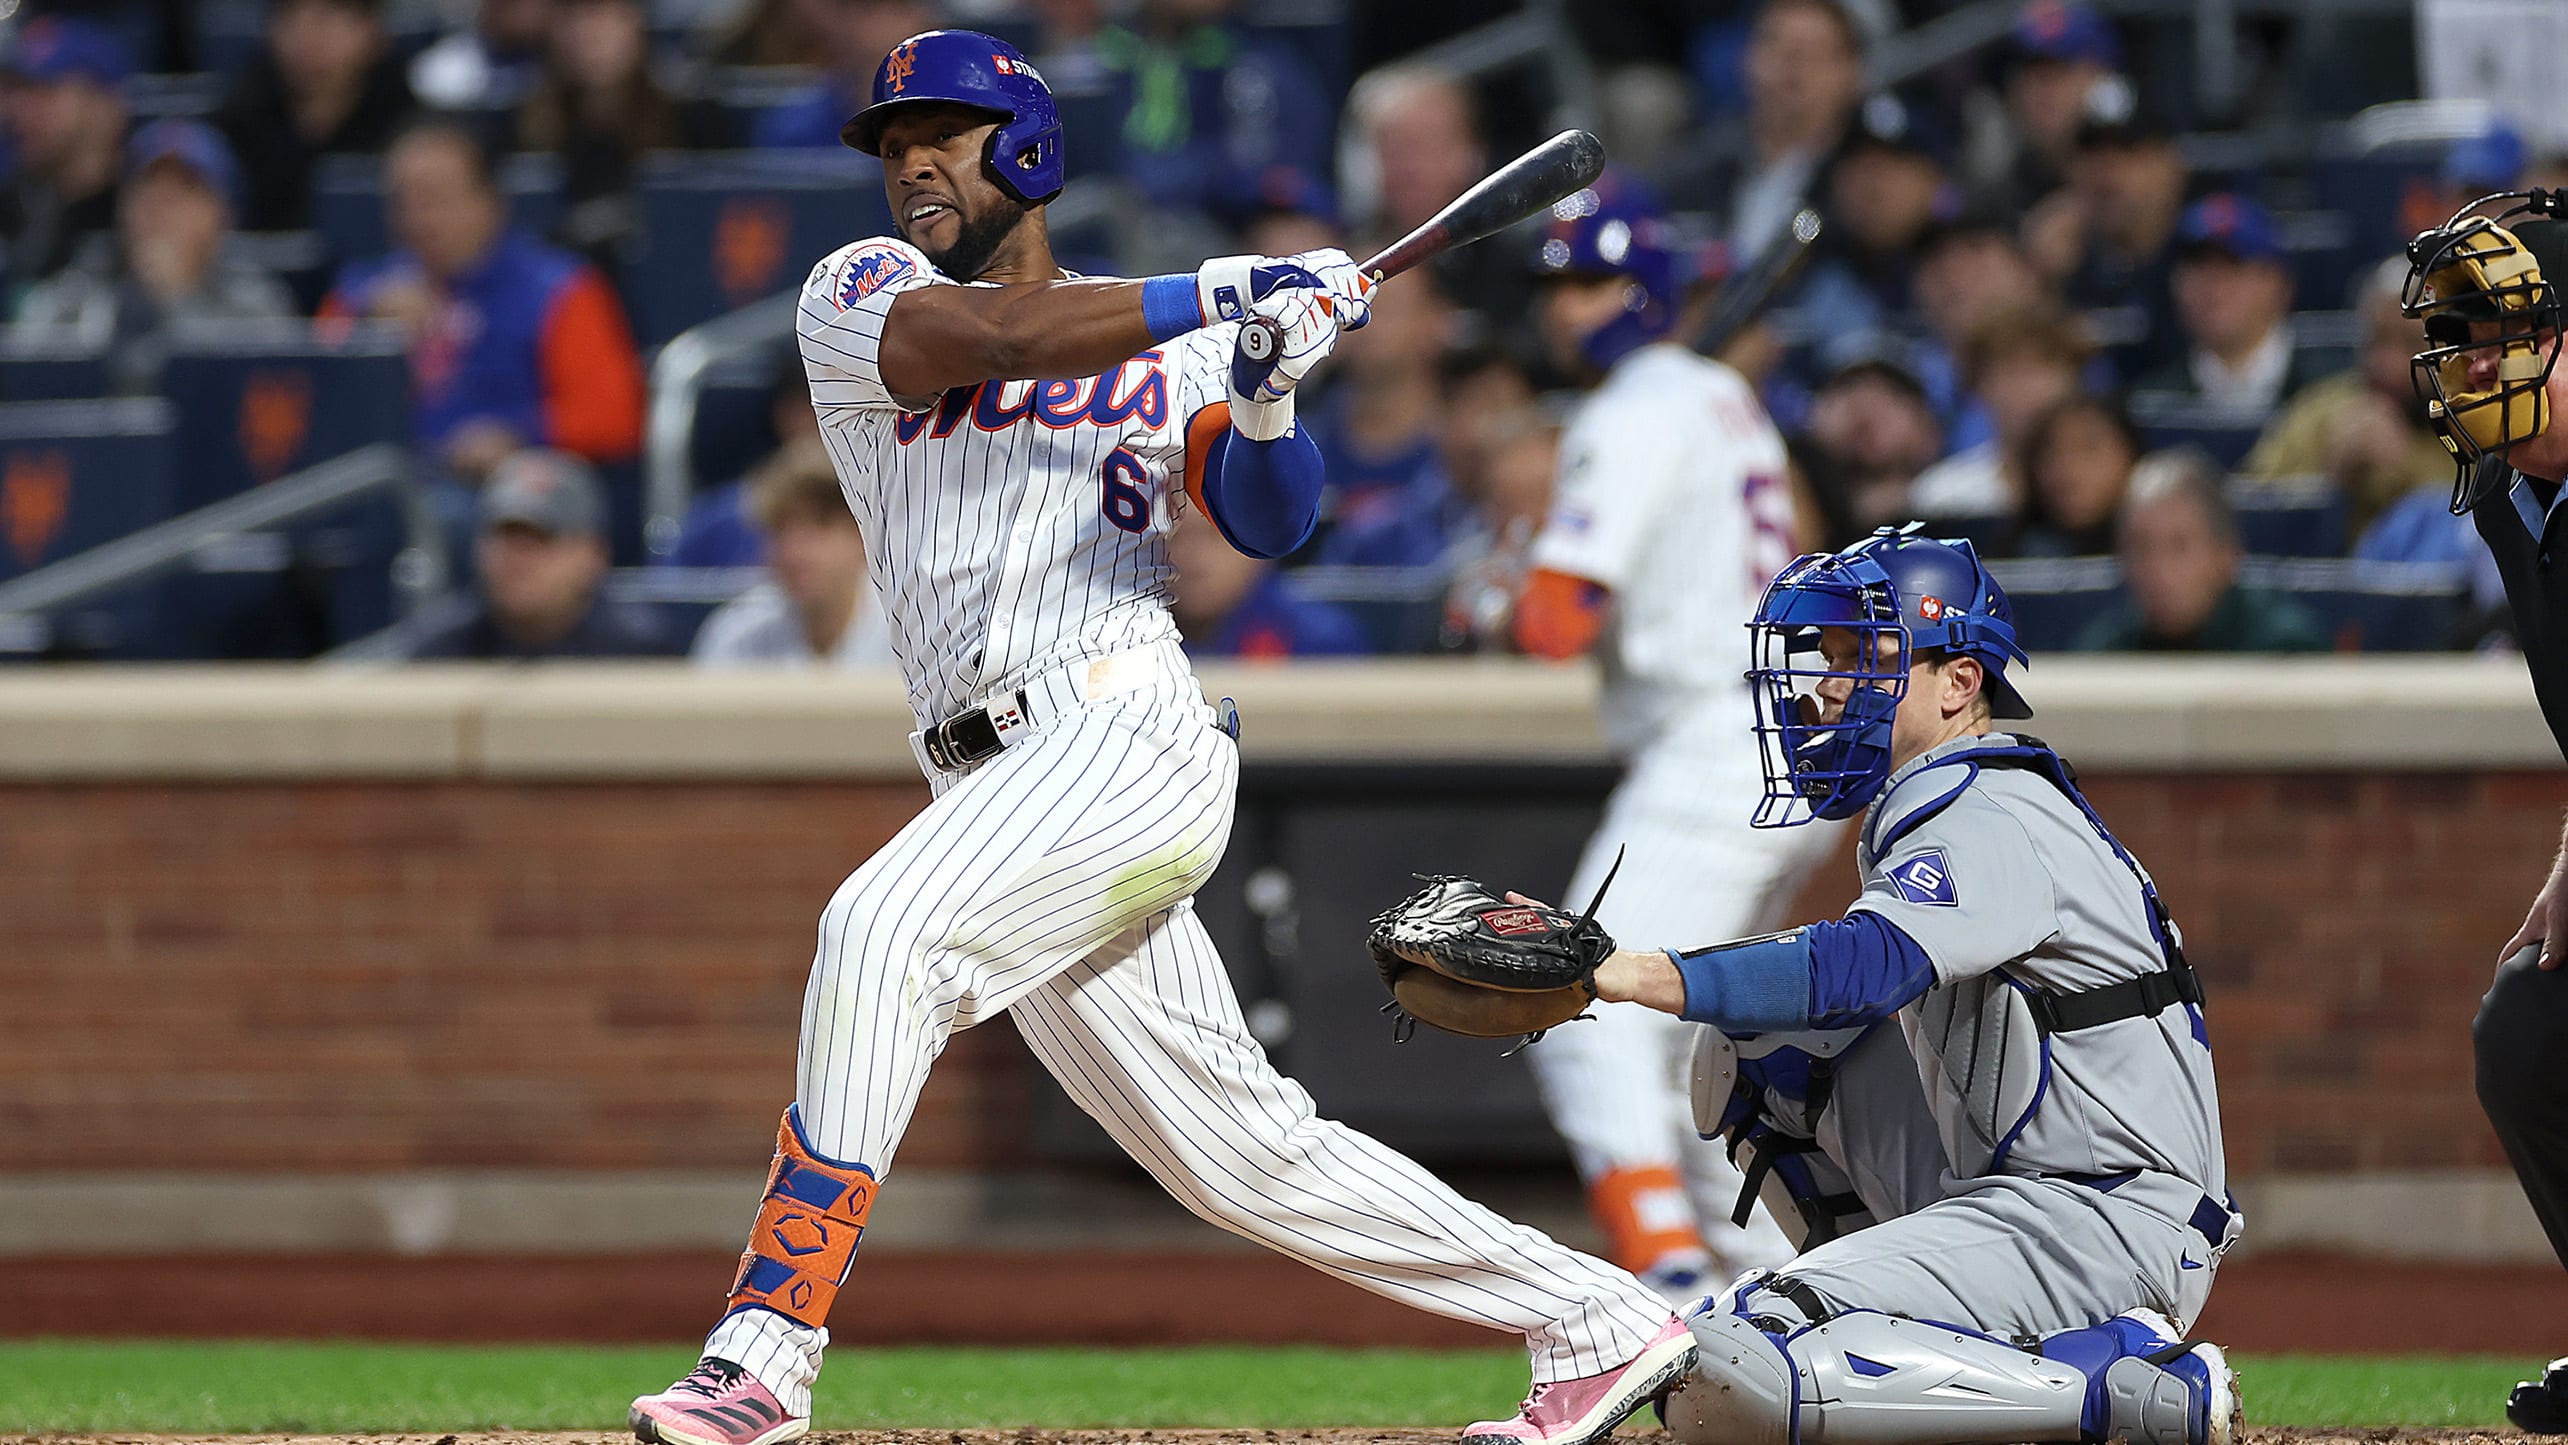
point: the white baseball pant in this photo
(1055, 880)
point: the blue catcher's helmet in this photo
(1614, 228)
(1923, 593)
(966, 67)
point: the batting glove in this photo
(1266, 367)
(1226, 287)
(1350, 290)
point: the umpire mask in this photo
(2483, 288)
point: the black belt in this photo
(2137, 998)
(972, 735)
(2210, 1217)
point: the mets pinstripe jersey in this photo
(1014, 525)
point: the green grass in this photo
(280, 1388)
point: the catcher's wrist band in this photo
(1751, 986)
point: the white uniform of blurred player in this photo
(1083, 790)
(1671, 515)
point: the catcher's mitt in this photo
(1463, 959)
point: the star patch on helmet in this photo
(1926, 879)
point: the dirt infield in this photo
(1146, 1437)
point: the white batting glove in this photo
(1350, 290)
(1263, 376)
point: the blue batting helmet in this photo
(1614, 228)
(966, 67)
(1926, 594)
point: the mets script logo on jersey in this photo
(1511, 922)
(1136, 389)
(900, 65)
(869, 270)
(1926, 879)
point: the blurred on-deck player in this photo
(1671, 513)
(1083, 789)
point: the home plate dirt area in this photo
(1152, 1437)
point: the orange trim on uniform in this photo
(592, 376)
(1202, 430)
(809, 1225)
(1559, 616)
(1645, 1215)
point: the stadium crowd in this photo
(2035, 316)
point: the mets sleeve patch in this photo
(871, 267)
(1926, 879)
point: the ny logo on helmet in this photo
(900, 65)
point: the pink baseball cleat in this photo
(1582, 1411)
(718, 1403)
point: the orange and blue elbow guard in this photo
(809, 1224)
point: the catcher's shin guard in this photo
(808, 1228)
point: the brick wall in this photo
(345, 976)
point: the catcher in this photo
(2012, 1250)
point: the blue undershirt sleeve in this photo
(1265, 496)
(1856, 970)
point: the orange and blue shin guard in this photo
(808, 1228)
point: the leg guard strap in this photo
(809, 1225)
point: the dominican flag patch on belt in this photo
(1925, 879)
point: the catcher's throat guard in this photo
(2479, 283)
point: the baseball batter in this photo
(1083, 789)
(1670, 516)
(2019, 1245)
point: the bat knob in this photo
(1253, 356)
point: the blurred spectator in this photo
(1205, 108)
(65, 82)
(1968, 269)
(2364, 429)
(2106, 236)
(1512, 492)
(489, 65)
(2019, 363)
(2491, 161)
(718, 530)
(1293, 212)
(1871, 432)
(2234, 301)
(1387, 502)
(854, 36)
(327, 84)
(2076, 467)
(1884, 193)
(597, 104)
(1229, 604)
(1484, 393)
(540, 562)
(2058, 53)
(1415, 142)
(816, 608)
(2180, 554)
(770, 32)
(512, 343)
(1804, 74)
(170, 269)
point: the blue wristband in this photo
(1168, 306)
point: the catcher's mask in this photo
(2484, 287)
(1920, 593)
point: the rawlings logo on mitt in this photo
(1461, 958)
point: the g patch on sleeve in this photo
(1926, 879)
(871, 267)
